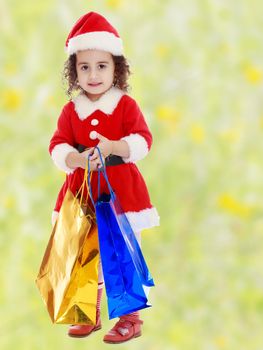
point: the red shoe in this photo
(125, 329)
(81, 331)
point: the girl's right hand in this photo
(79, 160)
(83, 158)
(94, 164)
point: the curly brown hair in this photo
(121, 74)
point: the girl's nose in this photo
(93, 73)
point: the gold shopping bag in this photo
(68, 275)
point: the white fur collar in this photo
(84, 107)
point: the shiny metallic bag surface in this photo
(68, 275)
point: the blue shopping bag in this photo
(126, 275)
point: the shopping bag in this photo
(68, 275)
(125, 272)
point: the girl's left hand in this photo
(105, 145)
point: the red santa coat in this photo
(116, 116)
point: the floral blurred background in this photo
(197, 75)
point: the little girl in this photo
(103, 115)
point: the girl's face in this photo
(95, 72)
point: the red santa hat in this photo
(93, 31)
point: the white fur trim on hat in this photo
(104, 41)
(143, 219)
(138, 147)
(84, 107)
(59, 155)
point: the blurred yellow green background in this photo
(197, 75)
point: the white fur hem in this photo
(84, 107)
(143, 219)
(59, 155)
(104, 41)
(138, 148)
(139, 221)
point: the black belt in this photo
(109, 161)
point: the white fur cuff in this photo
(59, 155)
(138, 147)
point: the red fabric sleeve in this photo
(134, 121)
(63, 133)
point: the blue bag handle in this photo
(102, 170)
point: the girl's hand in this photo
(106, 147)
(87, 152)
(80, 160)
(83, 160)
(95, 163)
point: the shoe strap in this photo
(131, 319)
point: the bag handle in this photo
(101, 170)
(82, 187)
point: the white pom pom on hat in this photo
(93, 31)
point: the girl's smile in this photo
(94, 84)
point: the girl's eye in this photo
(85, 67)
(102, 66)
